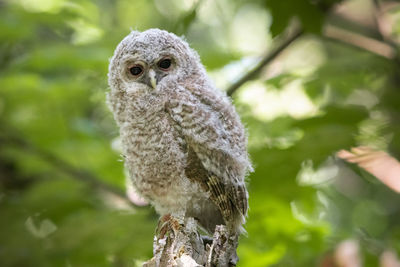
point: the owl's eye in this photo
(165, 64)
(136, 70)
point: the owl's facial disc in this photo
(149, 73)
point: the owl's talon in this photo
(165, 218)
(162, 231)
(163, 222)
(167, 223)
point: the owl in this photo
(184, 146)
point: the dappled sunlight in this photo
(40, 228)
(298, 104)
(175, 7)
(311, 218)
(302, 59)
(85, 32)
(301, 215)
(248, 35)
(374, 131)
(268, 104)
(50, 6)
(362, 98)
(308, 176)
(213, 13)
(231, 72)
(284, 141)
(264, 105)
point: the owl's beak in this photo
(152, 76)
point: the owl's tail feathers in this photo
(235, 226)
(239, 204)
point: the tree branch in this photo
(179, 243)
(385, 48)
(383, 45)
(265, 60)
(360, 41)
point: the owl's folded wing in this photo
(207, 135)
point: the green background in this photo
(61, 172)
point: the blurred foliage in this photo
(317, 97)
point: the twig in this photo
(357, 40)
(380, 21)
(384, 48)
(383, 45)
(267, 59)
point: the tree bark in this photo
(179, 243)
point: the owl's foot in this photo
(162, 227)
(166, 224)
(177, 243)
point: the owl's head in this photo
(143, 60)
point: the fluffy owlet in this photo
(183, 142)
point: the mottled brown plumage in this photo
(183, 142)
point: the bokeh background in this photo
(332, 83)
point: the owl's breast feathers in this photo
(153, 151)
(217, 157)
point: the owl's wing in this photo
(215, 143)
(210, 183)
